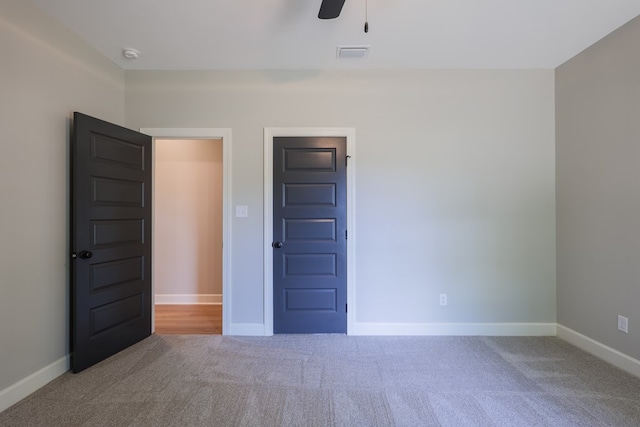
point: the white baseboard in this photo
(608, 354)
(459, 329)
(185, 299)
(23, 388)
(246, 329)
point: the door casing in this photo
(205, 133)
(269, 134)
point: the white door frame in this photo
(204, 133)
(269, 134)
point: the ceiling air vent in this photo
(353, 52)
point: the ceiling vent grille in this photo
(353, 52)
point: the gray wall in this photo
(455, 182)
(598, 190)
(45, 74)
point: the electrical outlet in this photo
(242, 211)
(623, 324)
(443, 299)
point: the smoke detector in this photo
(353, 52)
(130, 53)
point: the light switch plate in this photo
(242, 211)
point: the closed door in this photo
(309, 229)
(111, 239)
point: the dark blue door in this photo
(111, 240)
(309, 229)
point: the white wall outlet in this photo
(623, 324)
(242, 211)
(443, 299)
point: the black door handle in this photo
(85, 254)
(276, 245)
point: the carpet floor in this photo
(336, 380)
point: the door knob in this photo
(85, 254)
(277, 245)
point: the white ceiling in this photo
(286, 34)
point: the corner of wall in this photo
(606, 353)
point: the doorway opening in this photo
(191, 235)
(188, 236)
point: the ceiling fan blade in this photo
(330, 9)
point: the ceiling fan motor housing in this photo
(330, 9)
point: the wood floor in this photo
(189, 319)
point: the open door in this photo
(110, 239)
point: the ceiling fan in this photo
(330, 9)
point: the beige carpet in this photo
(334, 380)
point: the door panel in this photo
(111, 240)
(309, 195)
(309, 230)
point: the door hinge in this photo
(346, 308)
(346, 234)
(346, 160)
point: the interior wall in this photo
(598, 191)
(455, 181)
(46, 74)
(188, 221)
